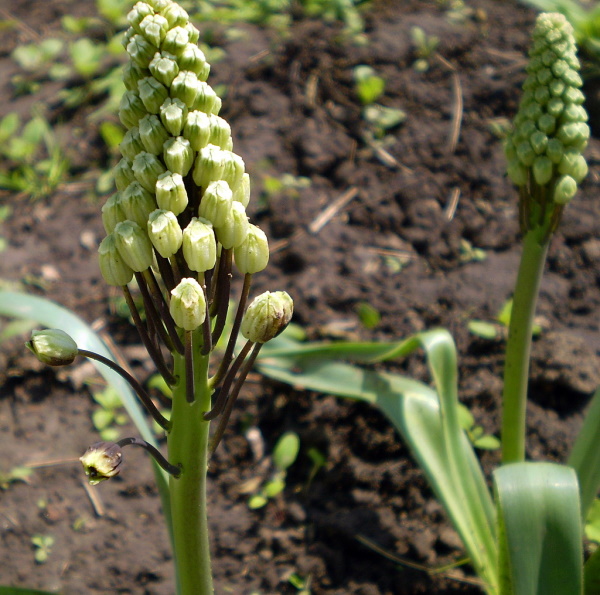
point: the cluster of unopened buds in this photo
(177, 222)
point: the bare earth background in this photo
(292, 107)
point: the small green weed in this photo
(108, 414)
(425, 47)
(43, 547)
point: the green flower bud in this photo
(131, 144)
(140, 50)
(538, 141)
(131, 109)
(178, 155)
(192, 58)
(252, 255)
(102, 460)
(242, 192)
(164, 68)
(112, 212)
(267, 316)
(197, 129)
(188, 304)
(555, 107)
(127, 35)
(175, 15)
(573, 164)
(132, 74)
(175, 40)
(542, 170)
(194, 34)
(220, 133)
(517, 173)
(206, 99)
(572, 95)
(159, 5)
(173, 113)
(213, 164)
(137, 203)
(216, 202)
(146, 168)
(171, 194)
(123, 174)
(152, 134)
(112, 266)
(53, 347)
(234, 229)
(138, 13)
(164, 232)
(556, 88)
(185, 86)
(152, 94)
(133, 245)
(565, 190)
(546, 123)
(216, 108)
(555, 150)
(154, 28)
(199, 245)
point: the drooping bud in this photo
(234, 229)
(171, 194)
(112, 266)
(164, 232)
(146, 168)
(123, 174)
(131, 144)
(152, 94)
(173, 113)
(102, 461)
(199, 245)
(137, 203)
(188, 304)
(164, 68)
(131, 109)
(152, 134)
(252, 255)
(112, 212)
(178, 155)
(53, 347)
(133, 245)
(216, 202)
(267, 316)
(242, 192)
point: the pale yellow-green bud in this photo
(192, 58)
(186, 86)
(146, 168)
(175, 15)
(171, 194)
(252, 255)
(573, 164)
(164, 68)
(194, 34)
(132, 74)
(220, 133)
(565, 190)
(242, 192)
(138, 13)
(152, 94)
(102, 461)
(154, 28)
(123, 174)
(213, 164)
(53, 347)
(131, 144)
(112, 266)
(267, 316)
(188, 304)
(152, 134)
(542, 170)
(137, 203)
(197, 129)
(233, 231)
(131, 109)
(141, 50)
(199, 245)
(178, 155)
(164, 232)
(175, 40)
(216, 202)
(133, 245)
(173, 113)
(206, 99)
(112, 212)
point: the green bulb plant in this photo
(525, 536)
(177, 224)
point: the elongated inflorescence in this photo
(550, 130)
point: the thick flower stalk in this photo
(545, 161)
(176, 226)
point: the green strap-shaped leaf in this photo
(539, 529)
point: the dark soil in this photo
(393, 244)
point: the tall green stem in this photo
(188, 446)
(516, 365)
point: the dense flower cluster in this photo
(550, 129)
(181, 190)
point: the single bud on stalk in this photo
(164, 232)
(188, 305)
(252, 255)
(53, 347)
(112, 266)
(102, 461)
(199, 245)
(267, 316)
